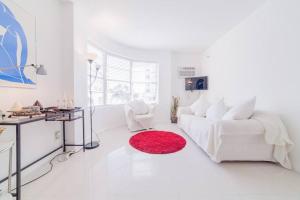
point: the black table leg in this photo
(83, 131)
(18, 146)
(64, 136)
(18, 161)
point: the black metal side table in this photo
(62, 116)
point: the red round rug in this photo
(157, 142)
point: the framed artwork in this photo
(17, 46)
(196, 83)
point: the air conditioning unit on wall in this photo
(186, 71)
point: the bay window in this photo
(120, 80)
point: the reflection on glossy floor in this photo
(115, 171)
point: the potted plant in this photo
(174, 108)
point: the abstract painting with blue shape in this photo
(13, 48)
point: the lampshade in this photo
(91, 56)
(40, 70)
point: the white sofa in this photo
(136, 122)
(241, 140)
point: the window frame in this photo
(131, 61)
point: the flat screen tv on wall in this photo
(196, 83)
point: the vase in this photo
(173, 119)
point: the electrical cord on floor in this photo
(51, 167)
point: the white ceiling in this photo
(176, 25)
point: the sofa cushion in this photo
(217, 110)
(200, 106)
(199, 130)
(139, 107)
(241, 111)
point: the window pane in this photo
(144, 72)
(98, 63)
(118, 92)
(144, 81)
(98, 98)
(94, 70)
(116, 74)
(97, 84)
(145, 91)
(118, 68)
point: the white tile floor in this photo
(115, 171)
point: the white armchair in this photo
(136, 122)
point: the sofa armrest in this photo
(128, 112)
(184, 110)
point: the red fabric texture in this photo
(157, 142)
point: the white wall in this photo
(38, 138)
(68, 65)
(178, 84)
(260, 57)
(113, 116)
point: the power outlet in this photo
(57, 135)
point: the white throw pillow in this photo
(242, 111)
(217, 110)
(139, 107)
(200, 106)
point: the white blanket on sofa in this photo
(275, 134)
